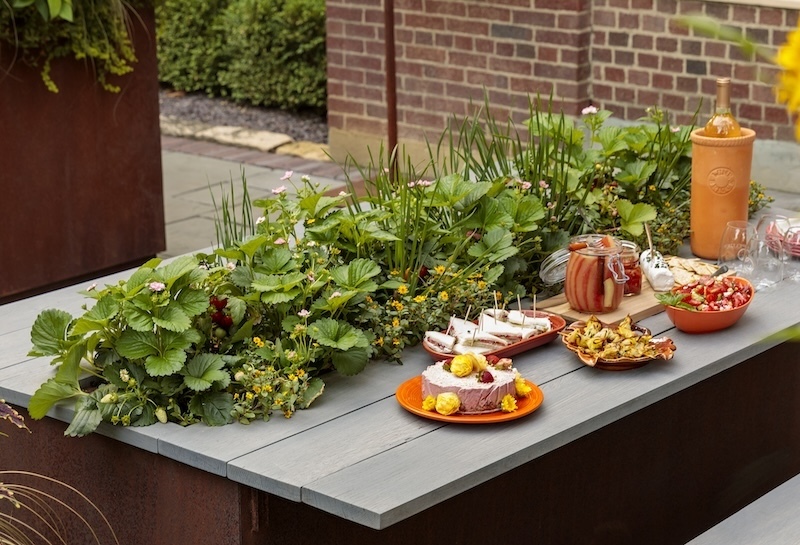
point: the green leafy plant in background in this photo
(38, 32)
(572, 177)
(191, 40)
(277, 51)
(260, 52)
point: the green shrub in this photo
(191, 44)
(277, 52)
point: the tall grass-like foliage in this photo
(581, 175)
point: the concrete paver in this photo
(197, 176)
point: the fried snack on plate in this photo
(594, 341)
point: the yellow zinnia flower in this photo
(522, 387)
(447, 403)
(402, 290)
(462, 365)
(509, 404)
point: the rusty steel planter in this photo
(80, 171)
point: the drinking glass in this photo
(791, 248)
(734, 248)
(767, 251)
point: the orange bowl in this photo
(706, 321)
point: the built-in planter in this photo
(80, 171)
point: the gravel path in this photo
(217, 111)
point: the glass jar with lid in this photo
(630, 263)
(592, 272)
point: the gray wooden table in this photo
(357, 462)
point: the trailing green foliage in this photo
(94, 30)
(260, 52)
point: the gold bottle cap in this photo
(724, 93)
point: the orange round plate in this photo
(409, 395)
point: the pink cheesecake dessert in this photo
(476, 393)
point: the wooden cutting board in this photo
(638, 306)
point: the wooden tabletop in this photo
(356, 453)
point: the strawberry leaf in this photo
(49, 332)
(161, 365)
(203, 371)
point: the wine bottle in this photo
(723, 124)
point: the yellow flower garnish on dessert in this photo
(429, 403)
(479, 362)
(447, 403)
(509, 404)
(462, 365)
(522, 387)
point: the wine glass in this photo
(734, 248)
(791, 249)
(767, 251)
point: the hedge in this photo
(261, 52)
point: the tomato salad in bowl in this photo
(708, 303)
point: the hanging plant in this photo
(37, 32)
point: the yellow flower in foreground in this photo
(509, 404)
(419, 299)
(402, 290)
(522, 387)
(462, 365)
(447, 403)
(479, 362)
(439, 269)
(258, 342)
(429, 403)
(443, 296)
(787, 89)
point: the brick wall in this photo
(622, 55)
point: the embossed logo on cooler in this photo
(721, 180)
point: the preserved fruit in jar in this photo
(595, 280)
(630, 264)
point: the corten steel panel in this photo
(147, 499)
(80, 171)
